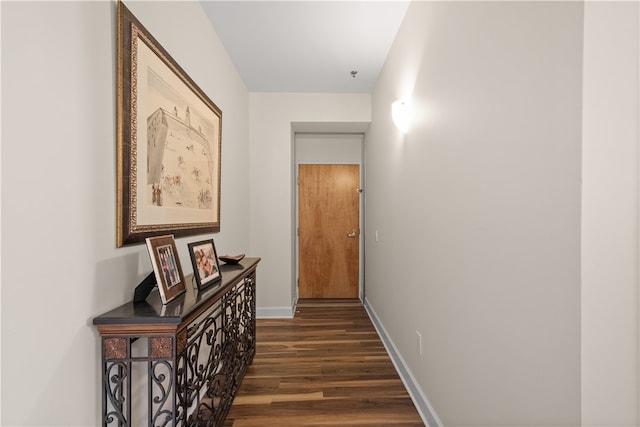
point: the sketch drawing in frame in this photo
(206, 267)
(169, 143)
(166, 266)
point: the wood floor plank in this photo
(325, 367)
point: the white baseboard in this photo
(428, 415)
(274, 313)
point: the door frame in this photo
(301, 156)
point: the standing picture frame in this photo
(206, 267)
(168, 143)
(166, 266)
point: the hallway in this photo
(327, 366)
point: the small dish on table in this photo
(231, 259)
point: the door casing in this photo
(327, 148)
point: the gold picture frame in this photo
(169, 143)
(166, 266)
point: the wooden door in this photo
(329, 231)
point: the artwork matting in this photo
(169, 143)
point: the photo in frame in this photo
(166, 266)
(206, 268)
(168, 143)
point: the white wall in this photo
(272, 165)
(60, 264)
(478, 209)
(313, 148)
(610, 214)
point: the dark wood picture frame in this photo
(206, 267)
(169, 143)
(166, 266)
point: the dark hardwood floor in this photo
(325, 367)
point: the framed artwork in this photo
(166, 266)
(206, 268)
(169, 143)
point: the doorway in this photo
(328, 231)
(329, 172)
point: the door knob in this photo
(353, 234)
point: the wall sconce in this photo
(401, 115)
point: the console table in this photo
(179, 364)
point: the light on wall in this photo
(401, 115)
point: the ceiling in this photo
(307, 46)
